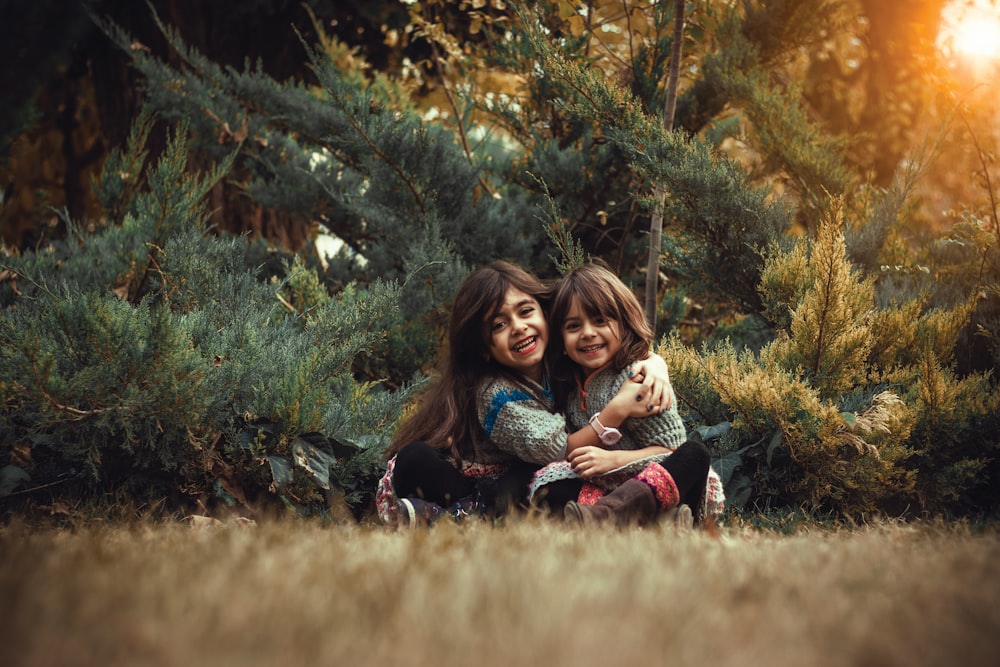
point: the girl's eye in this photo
(528, 310)
(497, 325)
(571, 326)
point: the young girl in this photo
(488, 422)
(647, 465)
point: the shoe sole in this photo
(571, 512)
(408, 514)
(684, 520)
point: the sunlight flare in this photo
(972, 30)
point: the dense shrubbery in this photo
(850, 371)
(148, 356)
(852, 408)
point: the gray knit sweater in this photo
(519, 422)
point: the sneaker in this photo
(418, 512)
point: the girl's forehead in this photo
(513, 299)
(580, 304)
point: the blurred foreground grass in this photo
(529, 593)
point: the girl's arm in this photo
(618, 409)
(519, 425)
(591, 461)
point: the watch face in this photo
(611, 436)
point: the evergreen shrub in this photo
(148, 356)
(852, 409)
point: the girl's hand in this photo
(590, 461)
(652, 374)
(630, 401)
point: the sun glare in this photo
(973, 29)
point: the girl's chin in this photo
(589, 363)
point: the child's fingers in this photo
(663, 399)
(652, 392)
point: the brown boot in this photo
(631, 503)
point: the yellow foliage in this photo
(833, 341)
(939, 329)
(783, 282)
(830, 334)
(945, 403)
(894, 335)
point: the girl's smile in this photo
(526, 347)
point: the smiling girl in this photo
(639, 467)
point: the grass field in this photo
(529, 593)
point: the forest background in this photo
(175, 336)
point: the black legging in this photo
(421, 471)
(688, 465)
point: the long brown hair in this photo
(601, 294)
(446, 416)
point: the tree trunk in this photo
(656, 224)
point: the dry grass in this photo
(531, 593)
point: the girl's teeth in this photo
(524, 344)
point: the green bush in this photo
(148, 356)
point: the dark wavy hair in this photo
(446, 416)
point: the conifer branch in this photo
(981, 154)
(394, 166)
(572, 254)
(462, 134)
(13, 273)
(284, 302)
(76, 413)
(826, 305)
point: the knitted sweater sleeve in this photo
(521, 425)
(665, 429)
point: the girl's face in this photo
(591, 342)
(519, 334)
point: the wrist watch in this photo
(608, 434)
